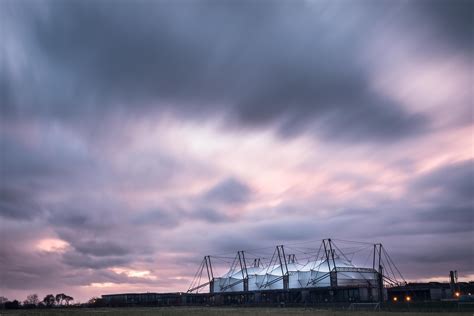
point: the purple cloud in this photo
(136, 140)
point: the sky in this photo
(138, 136)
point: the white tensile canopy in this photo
(314, 273)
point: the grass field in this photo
(214, 311)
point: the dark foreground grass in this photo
(213, 311)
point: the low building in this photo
(431, 291)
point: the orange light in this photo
(408, 298)
(457, 294)
(395, 299)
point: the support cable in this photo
(396, 268)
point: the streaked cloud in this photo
(137, 138)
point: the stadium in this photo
(315, 273)
(358, 269)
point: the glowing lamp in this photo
(408, 298)
(457, 294)
(395, 299)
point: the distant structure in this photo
(330, 272)
(357, 271)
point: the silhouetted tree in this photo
(60, 298)
(31, 300)
(3, 300)
(96, 302)
(12, 305)
(68, 299)
(49, 300)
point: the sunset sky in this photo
(139, 136)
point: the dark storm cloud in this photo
(446, 253)
(157, 217)
(26, 171)
(230, 191)
(79, 260)
(27, 270)
(209, 206)
(106, 249)
(77, 77)
(211, 215)
(89, 215)
(447, 196)
(34, 271)
(18, 203)
(97, 230)
(75, 220)
(451, 182)
(431, 254)
(32, 168)
(450, 218)
(20, 161)
(452, 19)
(101, 248)
(250, 62)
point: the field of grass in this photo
(213, 311)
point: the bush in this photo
(12, 305)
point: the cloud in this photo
(160, 218)
(210, 206)
(258, 69)
(147, 135)
(31, 162)
(18, 203)
(452, 20)
(447, 196)
(210, 215)
(27, 270)
(101, 248)
(77, 260)
(453, 183)
(32, 169)
(229, 191)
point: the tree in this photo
(31, 300)
(68, 299)
(49, 300)
(12, 305)
(3, 300)
(60, 298)
(95, 302)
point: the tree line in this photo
(33, 301)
